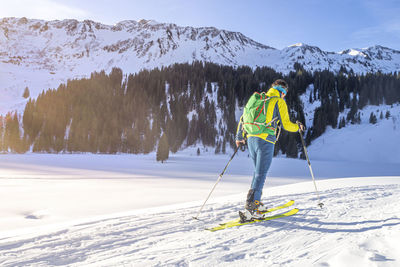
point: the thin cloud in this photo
(367, 33)
(376, 31)
(41, 9)
(386, 24)
(393, 27)
(386, 14)
(386, 35)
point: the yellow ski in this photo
(277, 216)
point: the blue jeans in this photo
(261, 152)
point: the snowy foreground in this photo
(128, 210)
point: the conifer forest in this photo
(195, 104)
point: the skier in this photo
(261, 146)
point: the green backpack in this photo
(254, 115)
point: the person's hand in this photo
(240, 142)
(302, 128)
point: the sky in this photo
(332, 25)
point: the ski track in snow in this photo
(359, 225)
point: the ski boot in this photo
(251, 212)
(253, 209)
(250, 205)
(262, 207)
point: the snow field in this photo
(127, 210)
(359, 225)
(67, 188)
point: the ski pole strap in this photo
(279, 133)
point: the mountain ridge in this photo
(154, 44)
(41, 54)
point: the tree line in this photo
(189, 104)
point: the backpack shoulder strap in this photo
(276, 118)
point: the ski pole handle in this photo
(302, 128)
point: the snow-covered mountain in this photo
(42, 54)
(69, 44)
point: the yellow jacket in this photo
(277, 108)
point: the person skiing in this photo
(261, 144)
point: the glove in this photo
(302, 128)
(241, 144)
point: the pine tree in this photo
(198, 151)
(292, 151)
(223, 147)
(356, 118)
(218, 148)
(353, 111)
(163, 149)
(26, 93)
(12, 139)
(342, 123)
(372, 118)
(387, 114)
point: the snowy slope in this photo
(360, 224)
(42, 54)
(366, 142)
(351, 230)
(363, 142)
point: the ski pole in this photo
(219, 178)
(320, 204)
